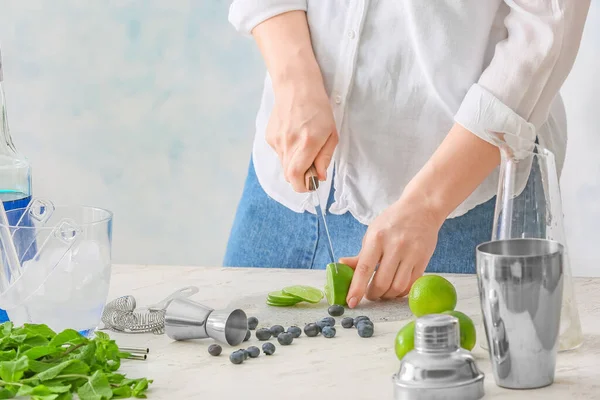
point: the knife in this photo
(312, 184)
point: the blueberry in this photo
(237, 357)
(360, 318)
(295, 331)
(285, 339)
(365, 329)
(253, 351)
(276, 330)
(347, 322)
(311, 330)
(245, 353)
(335, 310)
(248, 334)
(252, 323)
(268, 348)
(327, 321)
(214, 350)
(263, 334)
(328, 331)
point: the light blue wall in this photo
(143, 107)
(146, 107)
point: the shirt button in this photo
(338, 99)
(351, 34)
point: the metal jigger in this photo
(185, 319)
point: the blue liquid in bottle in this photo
(15, 179)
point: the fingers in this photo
(400, 281)
(349, 261)
(325, 155)
(417, 272)
(384, 277)
(368, 258)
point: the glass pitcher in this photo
(528, 205)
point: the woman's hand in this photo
(301, 129)
(401, 240)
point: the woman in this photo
(393, 102)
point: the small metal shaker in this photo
(437, 368)
(186, 319)
(520, 288)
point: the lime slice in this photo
(269, 303)
(338, 283)
(283, 299)
(306, 293)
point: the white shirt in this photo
(399, 73)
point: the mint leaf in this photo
(116, 378)
(56, 387)
(8, 355)
(18, 338)
(67, 336)
(36, 340)
(68, 367)
(85, 353)
(45, 397)
(65, 396)
(37, 352)
(39, 330)
(24, 390)
(121, 392)
(140, 388)
(7, 328)
(96, 388)
(12, 371)
(76, 367)
(101, 335)
(39, 366)
(7, 393)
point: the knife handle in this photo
(310, 183)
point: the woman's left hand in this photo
(401, 240)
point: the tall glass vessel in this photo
(15, 170)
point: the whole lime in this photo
(431, 294)
(468, 335)
(405, 340)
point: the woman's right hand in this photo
(302, 129)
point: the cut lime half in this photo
(338, 283)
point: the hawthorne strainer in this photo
(121, 314)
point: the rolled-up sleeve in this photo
(244, 15)
(515, 92)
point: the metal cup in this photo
(520, 288)
(186, 319)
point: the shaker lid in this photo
(438, 368)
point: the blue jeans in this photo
(269, 235)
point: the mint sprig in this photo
(37, 362)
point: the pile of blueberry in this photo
(325, 326)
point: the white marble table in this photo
(345, 367)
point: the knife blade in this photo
(312, 184)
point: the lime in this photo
(431, 294)
(338, 283)
(468, 335)
(405, 340)
(276, 304)
(282, 299)
(306, 293)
